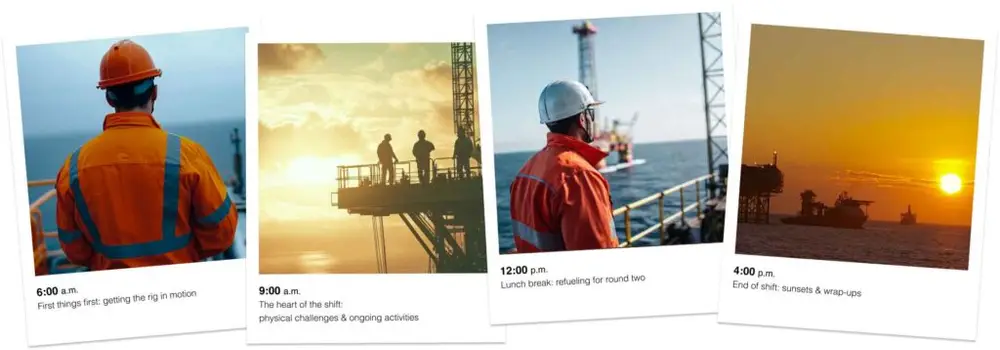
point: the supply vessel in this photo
(846, 212)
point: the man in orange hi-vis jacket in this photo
(559, 201)
(136, 195)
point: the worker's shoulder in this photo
(569, 160)
(193, 158)
(189, 146)
(554, 164)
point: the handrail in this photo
(365, 175)
(36, 183)
(630, 240)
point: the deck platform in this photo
(406, 198)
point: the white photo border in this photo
(218, 304)
(460, 317)
(525, 305)
(888, 290)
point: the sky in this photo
(648, 65)
(881, 116)
(203, 79)
(325, 105)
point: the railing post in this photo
(697, 195)
(683, 214)
(628, 226)
(663, 228)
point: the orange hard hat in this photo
(126, 62)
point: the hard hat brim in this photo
(131, 78)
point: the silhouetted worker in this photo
(387, 159)
(422, 152)
(463, 151)
(559, 201)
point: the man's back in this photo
(143, 197)
(463, 147)
(422, 149)
(559, 201)
(385, 152)
(121, 173)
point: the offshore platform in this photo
(758, 183)
(608, 137)
(909, 217)
(446, 213)
(51, 260)
(709, 190)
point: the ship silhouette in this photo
(908, 218)
(846, 212)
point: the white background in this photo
(687, 332)
(217, 284)
(895, 299)
(452, 307)
(679, 279)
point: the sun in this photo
(951, 183)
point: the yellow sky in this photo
(881, 116)
(325, 105)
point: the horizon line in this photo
(969, 225)
(634, 143)
(180, 123)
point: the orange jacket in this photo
(136, 195)
(559, 201)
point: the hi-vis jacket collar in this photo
(591, 154)
(130, 119)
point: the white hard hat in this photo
(563, 99)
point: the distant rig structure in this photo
(758, 182)
(445, 215)
(710, 208)
(713, 86)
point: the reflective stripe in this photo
(81, 202)
(536, 178)
(171, 185)
(541, 240)
(220, 213)
(69, 236)
(171, 193)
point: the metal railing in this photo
(406, 172)
(664, 220)
(38, 233)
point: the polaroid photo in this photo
(862, 144)
(371, 228)
(128, 162)
(607, 159)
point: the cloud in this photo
(377, 65)
(284, 58)
(315, 136)
(887, 180)
(343, 115)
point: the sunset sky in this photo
(324, 105)
(881, 116)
